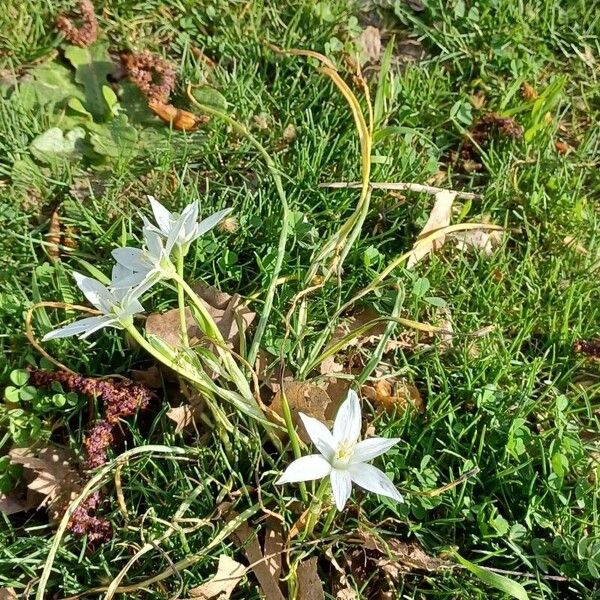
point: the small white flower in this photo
(180, 230)
(140, 268)
(117, 308)
(342, 456)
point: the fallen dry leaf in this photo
(229, 573)
(226, 311)
(479, 239)
(396, 556)
(445, 322)
(53, 237)
(247, 539)
(8, 594)
(288, 135)
(528, 92)
(571, 242)
(369, 42)
(393, 396)
(12, 503)
(305, 397)
(182, 120)
(53, 476)
(562, 147)
(438, 218)
(309, 582)
(274, 546)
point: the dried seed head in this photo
(154, 76)
(84, 35)
(229, 225)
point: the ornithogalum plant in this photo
(136, 271)
(342, 456)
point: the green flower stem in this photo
(285, 220)
(293, 435)
(328, 521)
(239, 378)
(221, 419)
(181, 301)
(315, 508)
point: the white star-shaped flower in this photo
(117, 307)
(342, 456)
(141, 268)
(180, 230)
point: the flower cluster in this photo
(154, 77)
(84, 35)
(136, 270)
(120, 398)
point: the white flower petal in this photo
(161, 215)
(190, 214)
(369, 449)
(83, 327)
(341, 486)
(319, 434)
(176, 234)
(130, 258)
(97, 293)
(374, 480)
(347, 424)
(153, 244)
(130, 280)
(208, 223)
(306, 468)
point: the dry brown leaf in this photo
(479, 239)
(571, 242)
(12, 503)
(369, 42)
(305, 397)
(8, 594)
(397, 556)
(226, 310)
(247, 539)
(53, 237)
(274, 546)
(330, 365)
(288, 135)
(438, 218)
(53, 476)
(150, 377)
(309, 582)
(182, 120)
(528, 92)
(478, 99)
(394, 395)
(229, 573)
(346, 594)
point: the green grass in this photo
(524, 409)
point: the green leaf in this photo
(500, 582)
(211, 97)
(27, 393)
(92, 67)
(11, 393)
(421, 287)
(49, 83)
(19, 376)
(53, 144)
(76, 105)
(111, 100)
(114, 139)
